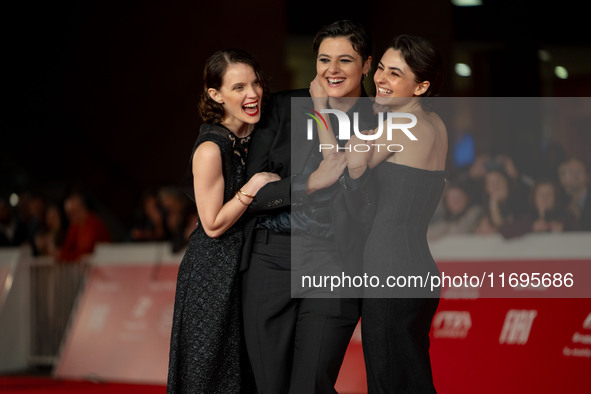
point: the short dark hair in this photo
(424, 60)
(213, 78)
(354, 31)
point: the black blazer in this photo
(271, 150)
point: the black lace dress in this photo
(206, 347)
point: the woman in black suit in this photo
(296, 345)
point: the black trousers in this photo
(295, 345)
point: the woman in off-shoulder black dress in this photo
(206, 349)
(395, 322)
(404, 189)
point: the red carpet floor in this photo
(39, 385)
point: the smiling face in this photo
(394, 78)
(340, 67)
(240, 96)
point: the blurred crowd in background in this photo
(489, 196)
(493, 196)
(69, 229)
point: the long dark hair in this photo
(213, 77)
(424, 60)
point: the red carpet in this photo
(37, 385)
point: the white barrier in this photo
(18, 308)
(14, 310)
(124, 316)
(567, 245)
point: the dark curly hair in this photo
(424, 60)
(213, 77)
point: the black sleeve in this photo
(272, 196)
(269, 150)
(262, 139)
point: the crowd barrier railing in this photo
(117, 305)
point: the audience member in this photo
(149, 224)
(545, 213)
(486, 162)
(460, 214)
(36, 212)
(574, 179)
(50, 238)
(84, 231)
(36, 217)
(488, 198)
(178, 220)
(501, 203)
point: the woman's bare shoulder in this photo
(429, 126)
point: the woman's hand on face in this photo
(318, 94)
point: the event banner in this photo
(120, 330)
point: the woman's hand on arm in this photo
(257, 181)
(215, 216)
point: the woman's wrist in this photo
(357, 170)
(311, 187)
(319, 107)
(253, 185)
(245, 199)
(251, 195)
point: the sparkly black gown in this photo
(395, 322)
(207, 353)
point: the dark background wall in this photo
(102, 95)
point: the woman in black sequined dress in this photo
(206, 348)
